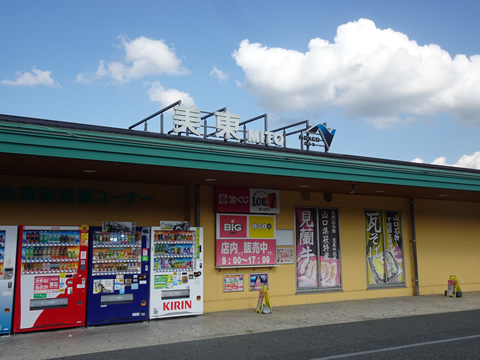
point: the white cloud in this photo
(465, 161)
(377, 74)
(470, 161)
(143, 57)
(34, 78)
(165, 97)
(218, 74)
(442, 160)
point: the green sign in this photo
(161, 281)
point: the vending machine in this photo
(176, 282)
(51, 280)
(8, 247)
(118, 285)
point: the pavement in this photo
(76, 341)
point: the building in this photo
(417, 222)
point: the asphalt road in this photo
(440, 336)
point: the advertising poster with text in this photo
(307, 248)
(247, 200)
(244, 240)
(318, 248)
(232, 282)
(384, 243)
(329, 248)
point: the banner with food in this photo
(384, 247)
(329, 247)
(307, 248)
(317, 248)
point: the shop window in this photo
(318, 249)
(384, 248)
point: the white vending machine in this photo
(176, 272)
(8, 250)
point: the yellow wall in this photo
(282, 280)
(169, 203)
(448, 243)
(447, 236)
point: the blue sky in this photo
(397, 80)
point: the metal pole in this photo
(197, 205)
(414, 247)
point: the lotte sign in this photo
(245, 200)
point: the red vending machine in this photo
(51, 282)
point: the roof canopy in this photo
(45, 148)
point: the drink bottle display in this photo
(118, 276)
(176, 279)
(116, 253)
(8, 245)
(50, 252)
(52, 277)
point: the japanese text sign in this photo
(245, 252)
(187, 120)
(44, 284)
(246, 200)
(244, 240)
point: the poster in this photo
(174, 225)
(257, 280)
(118, 226)
(103, 286)
(329, 248)
(317, 238)
(394, 246)
(232, 282)
(307, 247)
(384, 247)
(285, 255)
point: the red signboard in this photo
(233, 226)
(246, 252)
(247, 200)
(236, 200)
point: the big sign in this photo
(245, 240)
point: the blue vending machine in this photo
(118, 283)
(8, 252)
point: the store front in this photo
(336, 228)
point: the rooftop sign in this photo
(189, 121)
